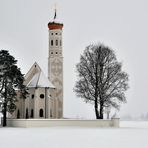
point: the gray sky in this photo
(119, 24)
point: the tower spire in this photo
(55, 13)
(54, 24)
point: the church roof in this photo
(38, 78)
(55, 25)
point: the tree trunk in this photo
(101, 111)
(5, 106)
(96, 110)
(4, 115)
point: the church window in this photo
(56, 33)
(32, 96)
(56, 42)
(51, 52)
(56, 52)
(18, 114)
(51, 33)
(41, 96)
(31, 113)
(51, 42)
(50, 113)
(26, 113)
(41, 112)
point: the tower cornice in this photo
(54, 25)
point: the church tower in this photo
(55, 67)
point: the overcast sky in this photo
(119, 24)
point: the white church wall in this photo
(31, 100)
(55, 68)
(62, 122)
(39, 102)
(47, 103)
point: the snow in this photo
(130, 135)
(33, 82)
(40, 80)
(134, 124)
(44, 82)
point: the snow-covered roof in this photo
(43, 81)
(34, 69)
(38, 79)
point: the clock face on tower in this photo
(56, 67)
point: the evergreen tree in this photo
(11, 81)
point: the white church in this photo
(45, 94)
(45, 98)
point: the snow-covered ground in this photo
(130, 135)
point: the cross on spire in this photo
(55, 14)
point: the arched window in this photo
(27, 113)
(41, 113)
(56, 42)
(50, 113)
(18, 114)
(32, 96)
(32, 114)
(51, 42)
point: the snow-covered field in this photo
(130, 135)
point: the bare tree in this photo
(101, 80)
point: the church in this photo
(45, 94)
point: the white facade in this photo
(45, 98)
(55, 68)
(37, 103)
